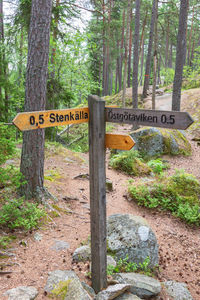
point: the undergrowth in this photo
(123, 265)
(17, 213)
(178, 194)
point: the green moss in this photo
(52, 175)
(60, 290)
(181, 140)
(130, 163)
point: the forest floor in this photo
(179, 244)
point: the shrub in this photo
(130, 162)
(7, 142)
(19, 214)
(178, 194)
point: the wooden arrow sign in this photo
(153, 118)
(118, 141)
(49, 118)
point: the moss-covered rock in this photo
(153, 142)
(130, 163)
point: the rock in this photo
(88, 289)
(128, 296)
(82, 254)
(111, 261)
(177, 290)
(112, 292)
(109, 185)
(38, 237)
(22, 293)
(60, 245)
(131, 236)
(156, 141)
(141, 285)
(65, 284)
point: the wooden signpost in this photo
(50, 118)
(97, 115)
(153, 118)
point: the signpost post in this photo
(97, 115)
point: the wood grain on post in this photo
(97, 192)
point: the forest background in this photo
(124, 44)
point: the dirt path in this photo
(179, 244)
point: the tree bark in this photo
(149, 54)
(126, 52)
(180, 56)
(136, 55)
(130, 50)
(155, 59)
(32, 159)
(121, 53)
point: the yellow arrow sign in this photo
(118, 141)
(49, 118)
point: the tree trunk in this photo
(1, 59)
(121, 53)
(32, 159)
(126, 53)
(180, 56)
(155, 59)
(190, 38)
(142, 63)
(167, 45)
(136, 55)
(149, 54)
(130, 50)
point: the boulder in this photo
(177, 290)
(156, 141)
(130, 236)
(22, 293)
(65, 284)
(141, 285)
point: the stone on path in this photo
(112, 292)
(128, 296)
(60, 245)
(131, 236)
(82, 254)
(141, 285)
(22, 293)
(177, 290)
(66, 284)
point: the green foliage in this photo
(5, 240)
(178, 194)
(76, 138)
(7, 145)
(17, 213)
(191, 74)
(168, 75)
(11, 177)
(157, 165)
(130, 162)
(123, 265)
